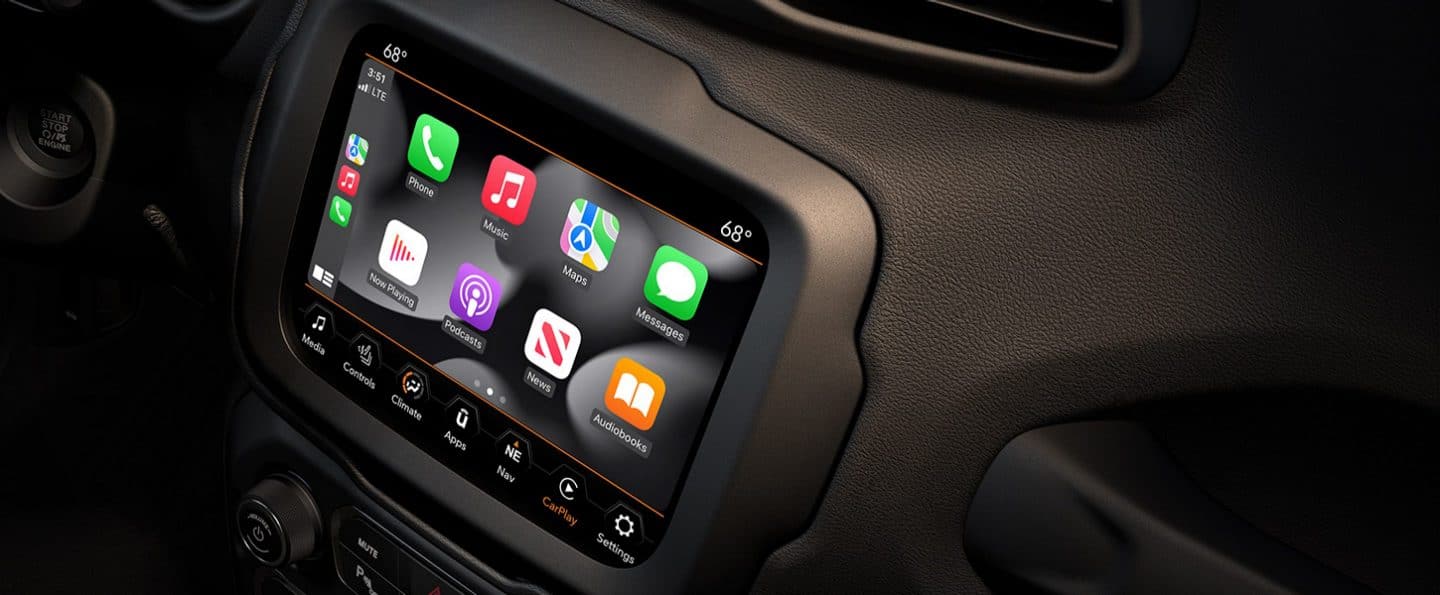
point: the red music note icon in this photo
(508, 189)
(349, 181)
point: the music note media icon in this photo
(509, 187)
(348, 181)
(320, 322)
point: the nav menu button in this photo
(514, 457)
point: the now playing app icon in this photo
(402, 254)
(552, 344)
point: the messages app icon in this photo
(676, 282)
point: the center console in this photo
(527, 311)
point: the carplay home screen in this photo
(577, 308)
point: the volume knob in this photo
(278, 520)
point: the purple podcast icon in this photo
(475, 296)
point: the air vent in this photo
(1078, 35)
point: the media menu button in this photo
(317, 329)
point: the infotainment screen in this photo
(544, 308)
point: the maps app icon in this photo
(589, 235)
(356, 148)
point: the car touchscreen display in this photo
(546, 310)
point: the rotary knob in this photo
(278, 521)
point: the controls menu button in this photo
(360, 577)
(365, 353)
(362, 361)
(366, 543)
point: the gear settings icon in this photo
(624, 525)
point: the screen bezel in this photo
(633, 172)
(775, 432)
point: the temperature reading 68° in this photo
(734, 232)
(394, 53)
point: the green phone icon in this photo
(432, 147)
(340, 211)
(676, 282)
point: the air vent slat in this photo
(1080, 35)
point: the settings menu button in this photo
(620, 534)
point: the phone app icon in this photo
(432, 147)
(676, 282)
(635, 393)
(589, 235)
(340, 210)
(508, 189)
(348, 181)
(356, 148)
(475, 296)
(402, 253)
(552, 344)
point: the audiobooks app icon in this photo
(635, 393)
(402, 252)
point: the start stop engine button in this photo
(57, 129)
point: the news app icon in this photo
(552, 344)
(475, 296)
(509, 187)
(635, 394)
(348, 181)
(402, 253)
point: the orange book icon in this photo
(635, 393)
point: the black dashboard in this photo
(777, 296)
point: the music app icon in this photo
(508, 189)
(348, 181)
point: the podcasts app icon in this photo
(475, 296)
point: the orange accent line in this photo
(491, 405)
(562, 158)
